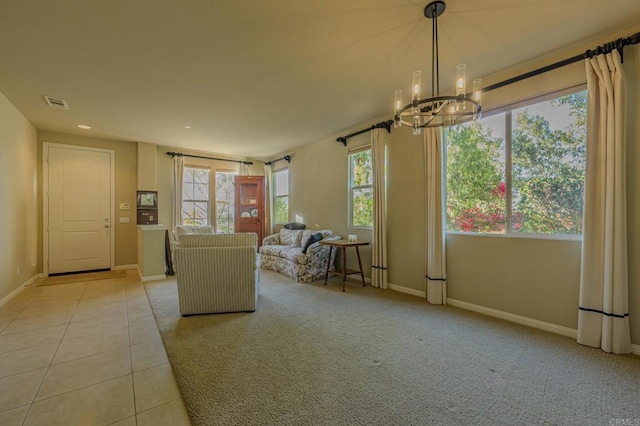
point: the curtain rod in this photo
(286, 157)
(179, 154)
(382, 125)
(618, 44)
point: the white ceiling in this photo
(256, 78)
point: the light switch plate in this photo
(125, 206)
(124, 219)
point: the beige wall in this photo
(147, 167)
(632, 68)
(18, 195)
(534, 278)
(126, 163)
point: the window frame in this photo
(352, 188)
(182, 199)
(275, 196)
(507, 109)
(213, 190)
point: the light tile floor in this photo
(85, 354)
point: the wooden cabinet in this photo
(249, 205)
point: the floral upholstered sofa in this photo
(283, 253)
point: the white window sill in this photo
(525, 236)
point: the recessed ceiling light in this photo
(84, 126)
(186, 126)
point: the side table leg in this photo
(360, 264)
(344, 267)
(326, 275)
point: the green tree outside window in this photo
(361, 188)
(281, 196)
(225, 194)
(548, 151)
(195, 196)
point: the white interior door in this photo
(79, 209)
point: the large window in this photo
(195, 196)
(225, 193)
(361, 189)
(520, 171)
(281, 196)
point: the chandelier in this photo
(437, 111)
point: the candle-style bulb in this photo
(460, 79)
(477, 86)
(416, 85)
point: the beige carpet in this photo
(312, 355)
(78, 278)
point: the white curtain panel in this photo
(243, 169)
(178, 170)
(603, 318)
(436, 273)
(379, 259)
(268, 208)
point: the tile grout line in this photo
(130, 374)
(161, 405)
(16, 316)
(83, 387)
(133, 382)
(53, 357)
(164, 350)
(94, 354)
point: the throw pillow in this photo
(295, 225)
(313, 239)
(291, 237)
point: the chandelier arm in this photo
(458, 98)
(427, 122)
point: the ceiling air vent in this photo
(56, 102)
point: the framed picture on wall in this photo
(147, 199)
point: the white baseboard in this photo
(17, 291)
(406, 290)
(154, 278)
(541, 325)
(124, 267)
(519, 319)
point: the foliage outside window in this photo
(281, 196)
(529, 180)
(225, 194)
(195, 196)
(361, 188)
